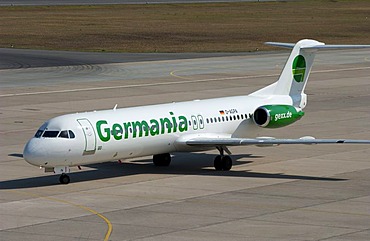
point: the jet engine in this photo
(275, 116)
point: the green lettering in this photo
(117, 131)
(141, 125)
(126, 126)
(165, 123)
(154, 128)
(106, 136)
(183, 124)
(174, 122)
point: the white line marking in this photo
(167, 83)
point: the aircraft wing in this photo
(209, 142)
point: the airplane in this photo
(158, 130)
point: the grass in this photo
(211, 27)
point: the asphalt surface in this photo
(105, 2)
(27, 58)
(318, 192)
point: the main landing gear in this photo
(222, 162)
(64, 179)
(162, 160)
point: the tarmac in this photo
(307, 192)
(110, 2)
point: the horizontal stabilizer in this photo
(282, 45)
(319, 46)
(337, 46)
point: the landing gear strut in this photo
(222, 162)
(162, 160)
(64, 179)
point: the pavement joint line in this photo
(337, 212)
(106, 220)
(345, 234)
(254, 217)
(168, 83)
(13, 131)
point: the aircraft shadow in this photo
(183, 164)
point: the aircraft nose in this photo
(33, 152)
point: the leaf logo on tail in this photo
(299, 68)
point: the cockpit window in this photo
(63, 134)
(39, 133)
(50, 134)
(71, 134)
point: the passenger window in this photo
(71, 134)
(50, 134)
(39, 133)
(63, 134)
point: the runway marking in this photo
(106, 220)
(168, 83)
(172, 73)
(132, 86)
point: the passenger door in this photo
(90, 138)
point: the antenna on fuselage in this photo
(115, 107)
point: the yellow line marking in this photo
(110, 227)
(177, 76)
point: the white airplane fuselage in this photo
(115, 134)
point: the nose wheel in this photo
(64, 179)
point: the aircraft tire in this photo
(218, 163)
(226, 163)
(64, 179)
(162, 160)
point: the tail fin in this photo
(293, 78)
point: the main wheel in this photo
(162, 160)
(227, 163)
(64, 179)
(218, 163)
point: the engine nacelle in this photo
(275, 116)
